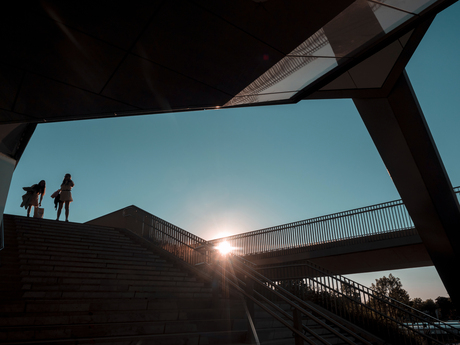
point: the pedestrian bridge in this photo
(372, 238)
(367, 239)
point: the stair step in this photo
(104, 275)
(36, 225)
(157, 292)
(80, 289)
(78, 243)
(55, 237)
(161, 279)
(56, 318)
(65, 283)
(91, 305)
(116, 329)
(215, 338)
(45, 235)
(78, 234)
(70, 249)
(90, 256)
(44, 254)
(81, 232)
(41, 259)
(109, 286)
(97, 268)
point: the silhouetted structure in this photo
(61, 61)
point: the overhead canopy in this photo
(65, 60)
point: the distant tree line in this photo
(441, 308)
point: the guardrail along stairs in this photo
(67, 283)
(275, 317)
(330, 310)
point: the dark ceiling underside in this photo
(66, 60)
(62, 60)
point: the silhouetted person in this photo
(65, 196)
(31, 197)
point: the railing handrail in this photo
(236, 286)
(164, 222)
(388, 218)
(229, 281)
(166, 234)
(422, 317)
(282, 293)
(322, 230)
(301, 302)
(272, 305)
(336, 215)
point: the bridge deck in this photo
(402, 249)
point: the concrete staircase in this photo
(68, 283)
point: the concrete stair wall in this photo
(70, 283)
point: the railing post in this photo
(249, 288)
(214, 283)
(297, 325)
(251, 337)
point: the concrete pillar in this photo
(13, 141)
(7, 165)
(399, 130)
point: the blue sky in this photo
(223, 172)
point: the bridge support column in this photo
(402, 137)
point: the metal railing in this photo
(357, 303)
(169, 237)
(390, 219)
(300, 317)
(194, 250)
(383, 316)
